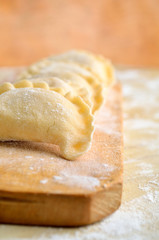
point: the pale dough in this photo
(64, 70)
(97, 64)
(34, 114)
(54, 101)
(78, 89)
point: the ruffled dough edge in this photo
(83, 109)
(28, 84)
(92, 80)
(109, 69)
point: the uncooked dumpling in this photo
(68, 72)
(57, 84)
(34, 114)
(95, 63)
(53, 101)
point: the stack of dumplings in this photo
(55, 101)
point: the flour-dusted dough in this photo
(69, 72)
(97, 64)
(34, 114)
(54, 101)
(58, 84)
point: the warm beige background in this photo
(126, 31)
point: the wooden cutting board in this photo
(38, 187)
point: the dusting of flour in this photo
(78, 181)
(138, 216)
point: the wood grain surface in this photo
(40, 188)
(125, 31)
(138, 216)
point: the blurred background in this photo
(127, 31)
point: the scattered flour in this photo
(138, 216)
(155, 182)
(150, 193)
(145, 169)
(43, 181)
(86, 182)
(28, 156)
(110, 168)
